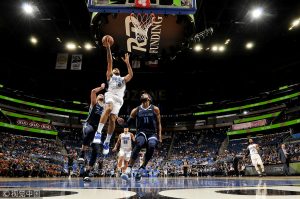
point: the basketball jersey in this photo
(117, 85)
(252, 149)
(125, 141)
(146, 119)
(95, 114)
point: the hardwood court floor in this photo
(197, 187)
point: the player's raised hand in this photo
(126, 58)
(120, 121)
(102, 85)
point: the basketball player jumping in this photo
(255, 158)
(124, 141)
(113, 98)
(148, 127)
(90, 127)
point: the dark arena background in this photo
(220, 71)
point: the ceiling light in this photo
(33, 40)
(88, 46)
(249, 45)
(221, 48)
(198, 48)
(71, 46)
(214, 48)
(296, 22)
(27, 8)
(256, 13)
(227, 41)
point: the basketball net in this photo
(142, 22)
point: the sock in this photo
(100, 127)
(108, 138)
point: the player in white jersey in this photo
(255, 157)
(113, 98)
(125, 139)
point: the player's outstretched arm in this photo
(94, 94)
(157, 111)
(109, 62)
(130, 120)
(129, 76)
(132, 137)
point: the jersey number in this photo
(146, 120)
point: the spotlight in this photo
(227, 41)
(214, 48)
(33, 40)
(257, 13)
(294, 24)
(71, 46)
(249, 45)
(221, 48)
(88, 46)
(198, 48)
(28, 8)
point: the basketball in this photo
(108, 38)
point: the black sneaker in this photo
(138, 177)
(87, 179)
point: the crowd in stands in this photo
(30, 157)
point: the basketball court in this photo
(150, 30)
(206, 187)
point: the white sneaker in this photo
(128, 171)
(80, 160)
(126, 176)
(105, 150)
(97, 138)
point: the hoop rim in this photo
(140, 13)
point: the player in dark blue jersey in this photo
(148, 132)
(90, 127)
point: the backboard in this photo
(178, 7)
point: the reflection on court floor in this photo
(273, 187)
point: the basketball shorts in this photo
(88, 133)
(126, 153)
(256, 159)
(115, 100)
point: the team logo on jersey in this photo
(118, 81)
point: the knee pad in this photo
(152, 143)
(87, 134)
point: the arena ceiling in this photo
(183, 75)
